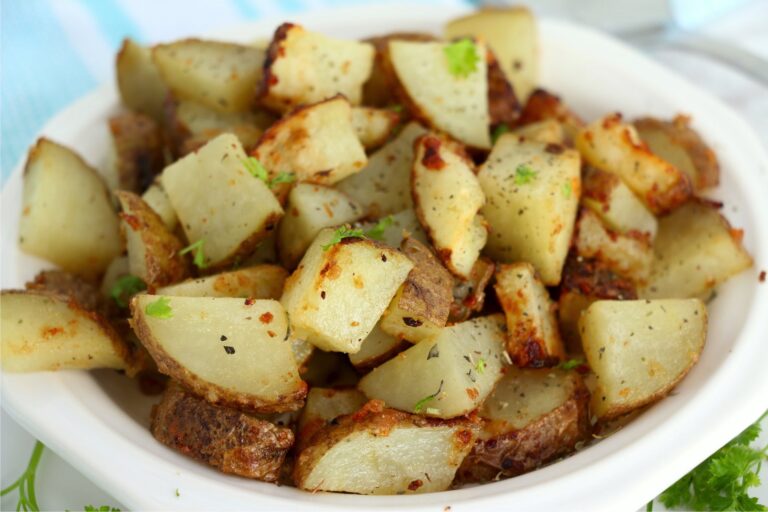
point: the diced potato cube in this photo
(447, 196)
(376, 349)
(229, 351)
(138, 80)
(695, 250)
(640, 349)
(325, 405)
(533, 339)
(373, 125)
(340, 290)
(548, 131)
(542, 105)
(67, 215)
(202, 188)
(305, 67)
(256, 282)
(532, 193)
(310, 209)
(445, 376)
(158, 200)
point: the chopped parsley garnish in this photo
(424, 401)
(253, 166)
(567, 190)
(524, 174)
(160, 308)
(498, 132)
(283, 177)
(462, 57)
(377, 231)
(571, 364)
(197, 251)
(346, 231)
(480, 366)
(126, 287)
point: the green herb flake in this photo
(343, 232)
(283, 177)
(498, 132)
(462, 57)
(178, 493)
(524, 174)
(567, 190)
(126, 287)
(424, 401)
(160, 308)
(571, 364)
(480, 366)
(253, 166)
(377, 231)
(197, 251)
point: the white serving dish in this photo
(98, 421)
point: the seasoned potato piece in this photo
(421, 306)
(157, 199)
(310, 209)
(383, 451)
(548, 131)
(614, 146)
(340, 290)
(136, 151)
(679, 144)
(256, 282)
(45, 331)
(84, 292)
(229, 351)
(221, 76)
(376, 349)
(455, 104)
(532, 192)
(512, 35)
(533, 339)
(695, 250)
(532, 417)
(227, 439)
(445, 376)
(306, 67)
(629, 255)
(606, 195)
(153, 252)
(373, 125)
(503, 107)
(469, 294)
(67, 216)
(383, 186)
(542, 105)
(204, 185)
(138, 80)
(317, 143)
(640, 349)
(447, 197)
(323, 406)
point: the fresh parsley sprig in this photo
(257, 169)
(346, 231)
(419, 406)
(571, 364)
(160, 308)
(196, 249)
(126, 287)
(524, 174)
(498, 132)
(26, 482)
(462, 57)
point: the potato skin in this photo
(502, 101)
(543, 105)
(469, 295)
(139, 146)
(83, 292)
(229, 440)
(519, 451)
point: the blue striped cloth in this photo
(54, 51)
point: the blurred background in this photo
(54, 51)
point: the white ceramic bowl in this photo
(98, 421)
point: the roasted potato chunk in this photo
(543, 105)
(256, 282)
(137, 147)
(531, 418)
(138, 80)
(229, 351)
(447, 197)
(323, 406)
(157, 199)
(67, 216)
(229, 440)
(376, 349)
(533, 339)
(373, 126)
(383, 451)
(640, 349)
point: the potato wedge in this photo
(532, 417)
(138, 80)
(542, 105)
(533, 339)
(614, 146)
(445, 376)
(679, 144)
(383, 451)
(383, 186)
(340, 290)
(227, 439)
(469, 294)
(67, 216)
(421, 306)
(323, 406)
(138, 151)
(640, 349)
(229, 351)
(532, 193)
(447, 197)
(376, 349)
(695, 250)
(153, 252)
(44, 331)
(157, 199)
(373, 126)
(512, 35)
(457, 105)
(548, 131)
(310, 209)
(255, 282)
(316, 143)
(204, 185)
(221, 76)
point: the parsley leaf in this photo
(571, 364)
(524, 174)
(199, 256)
(343, 232)
(480, 366)
(283, 177)
(160, 308)
(424, 401)
(253, 166)
(567, 190)
(498, 132)
(462, 57)
(377, 231)
(126, 287)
